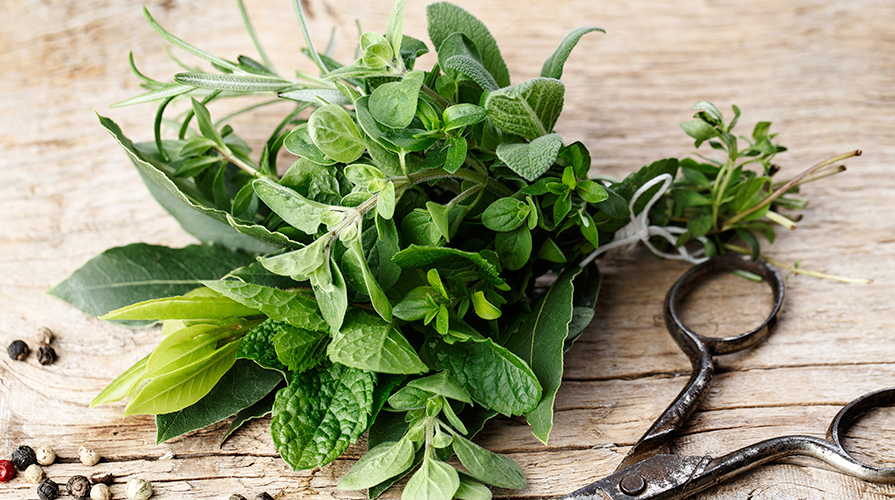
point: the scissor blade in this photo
(660, 477)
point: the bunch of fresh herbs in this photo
(387, 281)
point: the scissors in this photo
(650, 471)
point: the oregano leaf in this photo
(334, 132)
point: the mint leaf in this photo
(529, 109)
(382, 462)
(297, 310)
(367, 342)
(553, 65)
(441, 384)
(488, 467)
(494, 377)
(539, 342)
(258, 345)
(298, 348)
(532, 159)
(125, 275)
(320, 413)
(445, 19)
(434, 480)
(242, 386)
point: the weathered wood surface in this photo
(821, 70)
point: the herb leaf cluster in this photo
(386, 282)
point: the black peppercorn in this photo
(102, 478)
(48, 490)
(263, 496)
(79, 487)
(237, 496)
(23, 456)
(46, 355)
(18, 350)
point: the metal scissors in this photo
(650, 471)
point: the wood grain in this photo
(820, 70)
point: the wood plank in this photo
(821, 71)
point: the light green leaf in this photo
(369, 343)
(488, 467)
(168, 90)
(299, 212)
(532, 159)
(320, 413)
(700, 130)
(445, 19)
(439, 214)
(441, 384)
(333, 300)
(553, 65)
(592, 192)
(462, 115)
(232, 82)
(385, 204)
(456, 157)
(186, 346)
(182, 308)
(380, 302)
(299, 264)
(334, 132)
(470, 489)
(529, 109)
(434, 480)
(293, 308)
(416, 304)
(539, 342)
(505, 214)
(382, 462)
(409, 398)
(416, 256)
(483, 308)
(393, 104)
(316, 96)
(394, 32)
(299, 143)
(120, 388)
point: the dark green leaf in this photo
(298, 348)
(258, 345)
(380, 463)
(488, 467)
(367, 342)
(505, 214)
(415, 257)
(416, 304)
(299, 212)
(441, 384)
(553, 65)
(258, 410)
(514, 247)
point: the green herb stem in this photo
(251, 29)
(299, 11)
(798, 270)
(436, 96)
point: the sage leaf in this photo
(367, 342)
(539, 342)
(532, 159)
(182, 308)
(434, 480)
(495, 377)
(125, 275)
(295, 309)
(243, 385)
(472, 69)
(552, 67)
(393, 104)
(180, 388)
(441, 384)
(299, 143)
(320, 413)
(529, 109)
(300, 349)
(445, 19)
(394, 32)
(488, 467)
(233, 82)
(380, 463)
(334, 132)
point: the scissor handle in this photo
(701, 272)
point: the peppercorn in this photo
(18, 350)
(237, 497)
(44, 336)
(23, 456)
(263, 496)
(78, 487)
(100, 492)
(7, 471)
(45, 455)
(88, 457)
(48, 490)
(34, 474)
(139, 489)
(46, 355)
(102, 478)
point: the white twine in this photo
(640, 230)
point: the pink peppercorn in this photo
(7, 471)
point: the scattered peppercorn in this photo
(263, 496)
(237, 497)
(46, 355)
(18, 350)
(87, 456)
(78, 487)
(100, 492)
(48, 490)
(44, 336)
(34, 474)
(7, 471)
(139, 489)
(102, 478)
(23, 456)
(45, 455)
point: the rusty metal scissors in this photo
(650, 471)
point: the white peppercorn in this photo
(100, 491)
(87, 456)
(139, 489)
(44, 336)
(45, 455)
(34, 474)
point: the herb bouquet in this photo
(387, 281)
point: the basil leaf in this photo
(124, 275)
(320, 413)
(441, 384)
(242, 386)
(488, 467)
(434, 480)
(182, 308)
(472, 69)
(334, 132)
(539, 342)
(505, 214)
(185, 346)
(382, 462)
(532, 159)
(445, 19)
(298, 348)
(529, 109)
(367, 342)
(393, 104)
(295, 309)
(553, 65)
(495, 377)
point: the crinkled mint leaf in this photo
(300, 349)
(529, 109)
(368, 342)
(258, 345)
(320, 413)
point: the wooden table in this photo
(821, 70)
